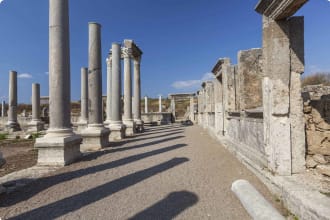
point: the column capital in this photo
(126, 52)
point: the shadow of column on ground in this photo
(169, 207)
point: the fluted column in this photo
(60, 146)
(12, 124)
(127, 118)
(116, 126)
(95, 136)
(36, 124)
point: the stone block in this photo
(310, 162)
(318, 142)
(319, 159)
(117, 132)
(94, 138)
(323, 169)
(58, 150)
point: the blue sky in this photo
(181, 39)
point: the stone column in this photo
(36, 124)
(145, 104)
(137, 95)
(60, 145)
(12, 124)
(95, 136)
(3, 109)
(173, 107)
(128, 118)
(192, 110)
(83, 120)
(108, 107)
(116, 126)
(160, 103)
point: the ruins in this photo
(256, 108)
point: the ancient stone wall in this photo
(317, 116)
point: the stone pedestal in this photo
(60, 146)
(95, 136)
(117, 132)
(130, 127)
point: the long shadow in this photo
(75, 202)
(145, 144)
(46, 182)
(157, 132)
(162, 128)
(169, 207)
(154, 137)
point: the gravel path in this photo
(167, 172)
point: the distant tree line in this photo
(316, 79)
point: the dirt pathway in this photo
(167, 172)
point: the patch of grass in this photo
(35, 135)
(3, 136)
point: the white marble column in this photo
(128, 118)
(108, 107)
(145, 104)
(95, 136)
(36, 124)
(60, 145)
(160, 103)
(12, 124)
(116, 126)
(83, 120)
(137, 95)
(3, 109)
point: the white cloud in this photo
(24, 75)
(192, 84)
(1, 1)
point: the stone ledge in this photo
(279, 9)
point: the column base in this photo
(139, 125)
(117, 132)
(2, 160)
(130, 127)
(81, 125)
(95, 137)
(58, 148)
(12, 126)
(35, 126)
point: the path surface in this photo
(167, 172)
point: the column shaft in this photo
(12, 114)
(84, 95)
(109, 75)
(94, 75)
(145, 104)
(137, 90)
(36, 102)
(160, 103)
(59, 65)
(116, 85)
(127, 89)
